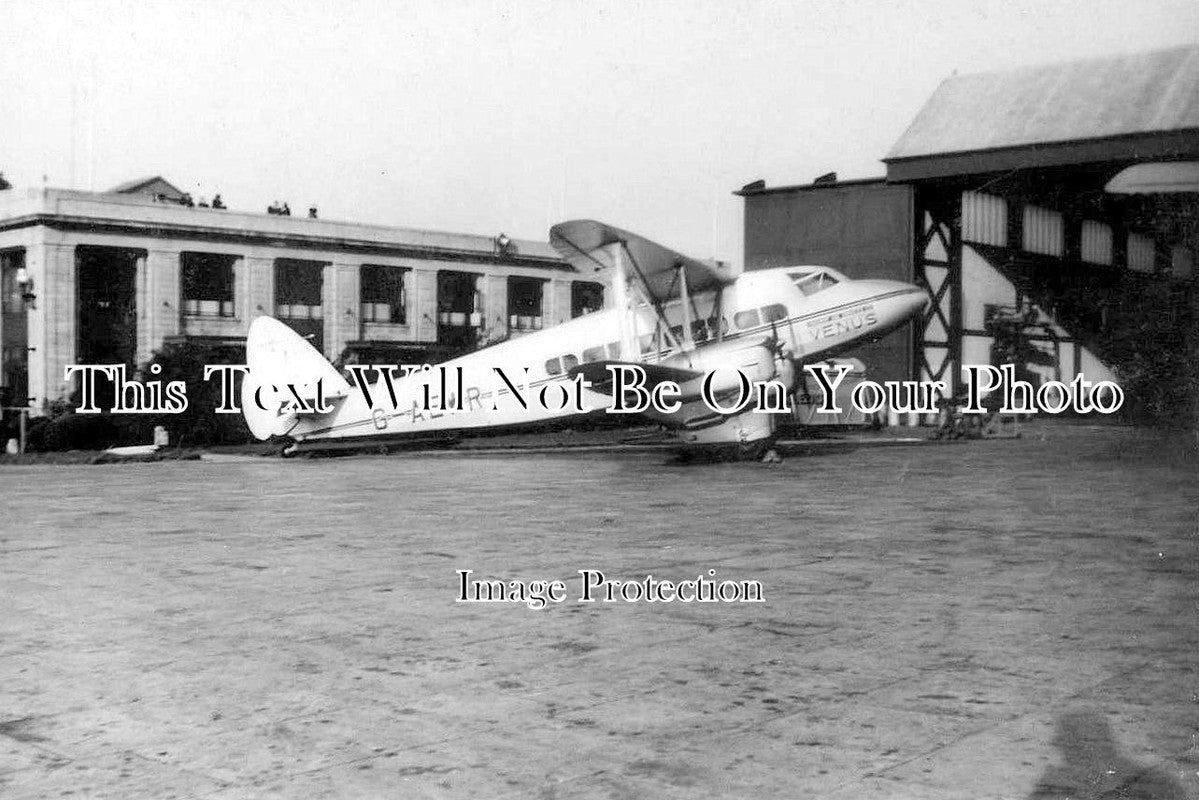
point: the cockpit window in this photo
(553, 366)
(812, 282)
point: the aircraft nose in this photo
(911, 300)
(898, 301)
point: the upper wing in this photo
(582, 243)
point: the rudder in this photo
(277, 356)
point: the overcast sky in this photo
(484, 117)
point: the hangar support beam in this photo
(937, 344)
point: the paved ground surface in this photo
(993, 619)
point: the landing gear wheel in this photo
(754, 451)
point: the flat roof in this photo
(141, 215)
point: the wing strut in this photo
(620, 288)
(688, 343)
(663, 323)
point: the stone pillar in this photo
(557, 311)
(424, 305)
(52, 322)
(258, 297)
(340, 295)
(158, 311)
(495, 308)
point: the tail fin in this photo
(277, 356)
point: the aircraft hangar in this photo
(1007, 198)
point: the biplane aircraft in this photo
(675, 318)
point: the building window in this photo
(984, 219)
(585, 297)
(524, 303)
(1140, 252)
(1044, 232)
(13, 300)
(382, 295)
(14, 331)
(1182, 262)
(459, 301)
(207, 284)
(1096, 243)
(298, 287)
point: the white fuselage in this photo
(812, 312)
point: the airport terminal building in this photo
(110, 277)
(1006, 199)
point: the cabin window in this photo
(722, 323)
(553, 366)
(593, 354)
(746, 319)
(614, 350)
(569, 362)
(207, 284)
(774, 313)
(381, 294)
(699, 330)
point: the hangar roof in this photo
(1114, 99)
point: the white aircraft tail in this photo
(280, 359)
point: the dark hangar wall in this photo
(861, 228)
